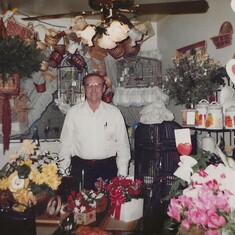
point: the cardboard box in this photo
(85, 218)
(132, 210)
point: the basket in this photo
(117, 52)
(16, 29)
(130, 51)
(101, 204)
(11, 86)
(224, 38)
(97, 52)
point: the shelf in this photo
(231, 133)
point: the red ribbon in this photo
(117, 199)
(6, 122)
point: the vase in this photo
(192, 231)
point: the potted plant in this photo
(193, 77)
(19, 57)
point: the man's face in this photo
(94, 88)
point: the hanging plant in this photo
(19, 57)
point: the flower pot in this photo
(10, 84)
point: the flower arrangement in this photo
(82, 202)
(207, 204)
(124, 194)
(192, 78)
(126, 188)
(29, 173)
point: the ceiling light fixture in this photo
(109, 32)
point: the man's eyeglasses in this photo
(94, 85)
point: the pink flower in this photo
(202, 173)
(215, 220)
(174, 209)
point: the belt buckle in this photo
(92, 162)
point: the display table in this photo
(113, 226)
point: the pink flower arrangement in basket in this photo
(208, 203)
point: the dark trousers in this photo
(88, 171)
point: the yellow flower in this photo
(36, 177)
(28, 146)
(54, 182)
(4, 183)
(49, 169)
(14, 157)
(23, 197)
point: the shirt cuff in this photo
(122, 171)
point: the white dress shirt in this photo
(95, 135)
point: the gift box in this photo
(128, 211)
(85, 217)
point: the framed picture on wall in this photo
(188, 49)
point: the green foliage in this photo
(19, 56)
(203, 160)
(191, 78)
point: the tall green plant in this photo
(19, 56)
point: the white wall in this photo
(177, 31)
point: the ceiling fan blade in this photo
(171, 8)
(63, 15)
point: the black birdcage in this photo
(156, 159)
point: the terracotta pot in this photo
(40, 87)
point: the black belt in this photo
(95, 162)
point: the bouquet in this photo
(125, 188)
(82, 202)
(122, 190)
(193, 77)
(207, 203)
(29, 173)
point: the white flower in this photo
(77, 202)
(185, 168)
(83, 208)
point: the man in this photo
(94, 137)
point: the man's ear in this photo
(83, 88)
(104, 87)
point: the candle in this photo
(82, 178)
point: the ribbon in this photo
(117, 199)
(6, 122)
(185, 168)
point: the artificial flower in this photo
(30, 173)
(207, 203)
(192, 77)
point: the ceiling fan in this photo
(129, 7)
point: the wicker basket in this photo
(117, 52)
(101, 204)
(14, 28)
(224, 38)
(11, 86)
(130, 50)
